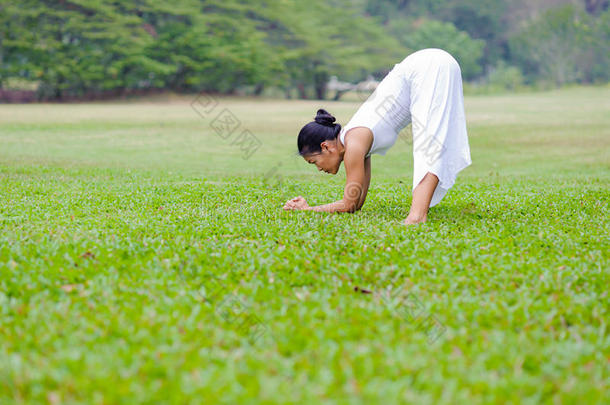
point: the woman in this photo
(425, 89)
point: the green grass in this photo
(144, 260)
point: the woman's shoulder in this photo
(362, 131)
(359, 137)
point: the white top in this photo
(425, 89)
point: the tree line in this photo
(82, 48)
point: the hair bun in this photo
(323, 117)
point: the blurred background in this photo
(315, 49)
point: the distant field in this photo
(145, 257)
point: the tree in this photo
(213, 45)
(318, 39)
(564, 45)
(73, 48)
(436, 34)
(596, 6)
(386, 9)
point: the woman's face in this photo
(328, 160)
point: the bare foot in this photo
(422, 195)
(415, 219)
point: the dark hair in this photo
(320, 130)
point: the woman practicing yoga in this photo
(425, 89)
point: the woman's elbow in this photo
(350, 206)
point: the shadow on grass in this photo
(457, 212)
(460, 212)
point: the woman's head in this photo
(319, 143)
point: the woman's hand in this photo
(297, 203)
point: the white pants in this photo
(440, 139)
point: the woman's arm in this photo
(358, 173)
(367, 181)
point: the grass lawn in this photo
(145, 258)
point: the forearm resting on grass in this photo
(354, 196)
(337, 206)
